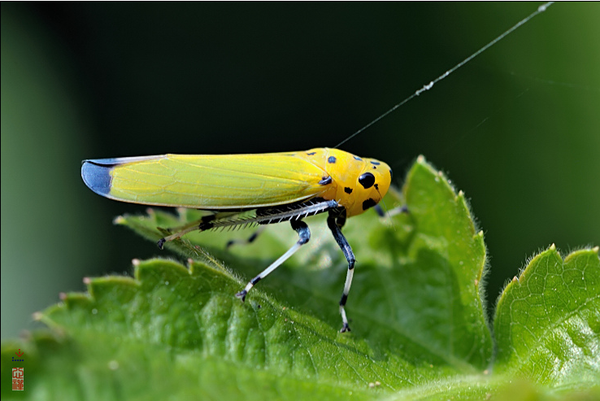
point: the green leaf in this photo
(416, 310)
(418, 276)
(548, 320)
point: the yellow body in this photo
(247, 181)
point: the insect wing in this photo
(205, 181)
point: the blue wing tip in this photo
(97, 177)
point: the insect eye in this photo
(366, 180)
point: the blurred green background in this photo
(517, 129)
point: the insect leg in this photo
(205, 223)
(397, 210)
(247, 241)
(335, 225)
(391, 212)
(304, 235)
(379, 210)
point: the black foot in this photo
(161, 243)
(242, 295)
(345, 328)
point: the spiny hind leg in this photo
(304, 236)
(205, 223)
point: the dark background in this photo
(517, 129)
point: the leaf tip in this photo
(119, 220)
(421, 159)
(596, 249)
(87, 280)
(37, 316)
(553, 247)
(135, 262)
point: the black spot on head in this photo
(331, 159)
(377, 187)
(366, 180)
(368, 204)
(357, 158)
(348, 190)
(326, 180)
(311, 153)
(375, 163)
